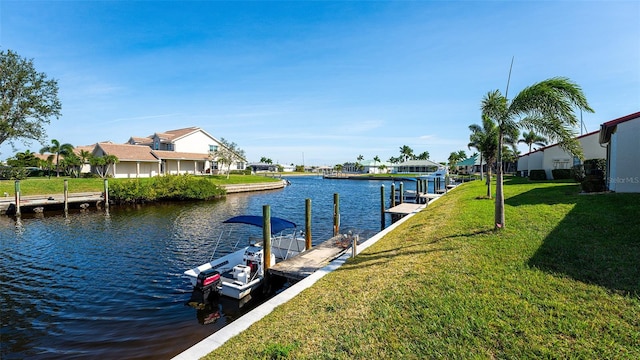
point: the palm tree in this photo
(547, 107)
(376, 160)
(485, 139)
(57, 149)
(531, 138)
(406, 153)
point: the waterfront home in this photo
(181, 151)
(621, 138)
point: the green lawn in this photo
(53, 185)
(562, 280)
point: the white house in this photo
(622, 140)
(553, 156)
(181, 151)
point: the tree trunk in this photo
(481, 168)
(499, 215)
(489, 182)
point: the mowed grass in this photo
(562, 280)
(54, 185)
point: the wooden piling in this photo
(336, 214)
(393, 194)
(401, 197)
(354, 246)
(106, 193)
(266, 237)
(382, 220)
(417, 192)
(66, 195)
(17, 190)
(307, 222)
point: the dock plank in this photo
(309, 261)
(405, 208)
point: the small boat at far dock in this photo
(242, 271)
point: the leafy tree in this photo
(338, 167)
(23, 159)
(28, 99)
(71, 164)
(227, 154)
(102, 164)
(548, 108)
(57, 149)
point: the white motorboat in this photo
(242, 271)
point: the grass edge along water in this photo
(559, 281)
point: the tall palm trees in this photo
(57, 149)
(547, 107)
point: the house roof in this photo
(172, 135)
(140, 140)
(468, 162)
(128, 152)
(174, 155)
(608, 128)
(418, 163)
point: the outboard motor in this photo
(207, 285)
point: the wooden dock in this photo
(405, 208)
(307, 262)
(28, 203)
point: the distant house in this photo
(416, 166)
(181, 151)
(470, 165)
(622, 140)
(553, 156)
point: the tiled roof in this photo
(88, 148)
(173, 155)
(141, 140)
(174, 134)
(128, 152)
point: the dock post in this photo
(382, 224)
(17, 197)
(106, 193)
(307, 223)
(354, 246)
(401, 197)
(418, 192)
(393, 194)
(336, 214)
(66, 195)
(266, 237)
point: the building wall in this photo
(197, 142)
(591, 147)
(625, 157)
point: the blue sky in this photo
(318, 82)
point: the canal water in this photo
(109, 285)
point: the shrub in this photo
(593, 183)
(538, 174)
(170, 187)
(595, 165)
(577, 172)
(561, 174)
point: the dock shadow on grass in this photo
(597, 242)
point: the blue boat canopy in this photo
(277, 224)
